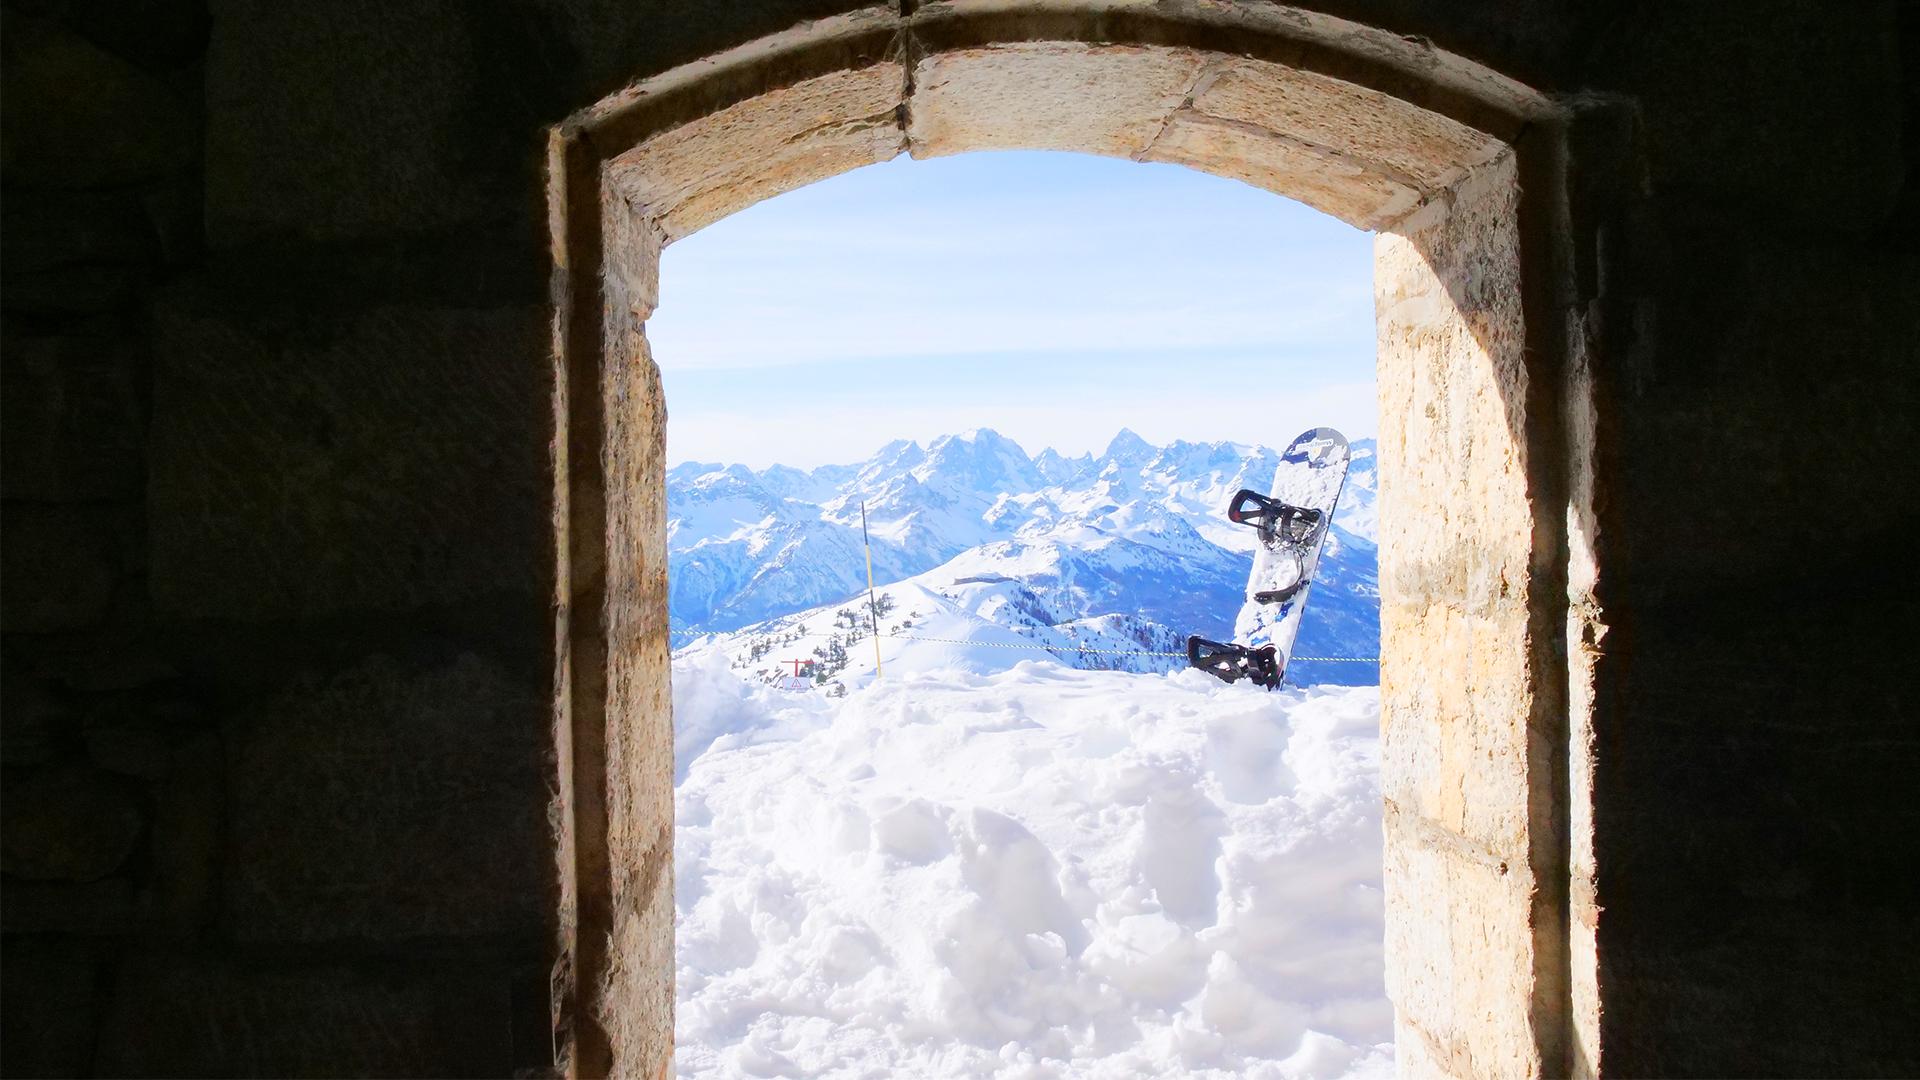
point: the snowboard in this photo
(1291, 521)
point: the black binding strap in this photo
(1294, 526)
(1231, 663)
(1276, 596)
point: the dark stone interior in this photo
(278, 573)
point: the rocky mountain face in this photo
(1135, 536)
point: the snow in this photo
(1139, 531)
(1025, 870)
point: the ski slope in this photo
(1026, 870)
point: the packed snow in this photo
(1021, 870)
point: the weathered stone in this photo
(637, 1010)
(78, 117)
(49, 1007)
(1804, 121)
(71, 290)
(75, 426)
(633, 242)
(132, 748)
(32, 716)
(48, 229)
(1466, 914)
(1094, 99)
(157, 35)
(1284, 166)
(389, 801)
(403, 99)
(186, 839)
(59, 566)
(699, 172)
(1453, 744)
(307, 465)
(94, 908)
(122, 655)
(179, 1014)
(1459, 766)
(1375, 132)
(69, 823)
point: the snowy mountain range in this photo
(981, 543)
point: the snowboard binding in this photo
(1293, 527)
(1231, 663)
(1292, 530)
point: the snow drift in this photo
(1034, 872)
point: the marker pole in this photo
(873, 607)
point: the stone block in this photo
(632, 258)
(1453, 732)
(69, 823)
(188, 810)
(33, 716)
(47, 229)
(58, 567)
(1802, 121)
(1380, 134)
(125, 654)
(75, 420)
(637, 1011)
(89, 909)
(49, 1008)
(695, 174)
(1093, 99)
(79, 117)
(156, 35)
(1456, 521)
(1458, 924)
(186, 1015)
(131, 747)
(1323, 180)
(379, 461)
(70, 291)
(339, 121)
(389, 801)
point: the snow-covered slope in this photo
(1130, 545)
(1043, 872)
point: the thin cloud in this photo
(1116, 294)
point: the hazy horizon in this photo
(1054, 298)
(1030, 450)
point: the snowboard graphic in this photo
(1292, 522)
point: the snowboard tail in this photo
(1232, 663)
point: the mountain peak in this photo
(982, 437)
(896, 447)
(1127, 445)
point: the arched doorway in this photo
(1482, 831)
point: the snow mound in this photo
(1037, 872)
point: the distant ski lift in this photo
(796, 681)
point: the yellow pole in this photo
(873, 608)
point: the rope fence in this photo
(1036, 647)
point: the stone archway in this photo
(1484, 828)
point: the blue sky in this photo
(1053, 297)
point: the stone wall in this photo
(1755, 729)
(279, 570)
(277, 565)
(1457, 599)
(112, 754)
